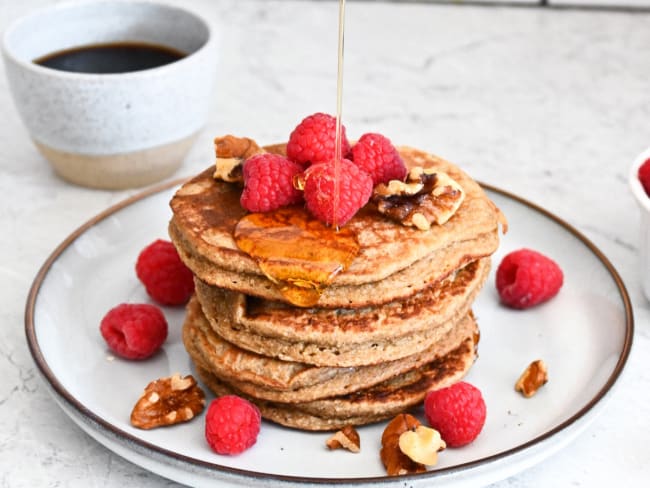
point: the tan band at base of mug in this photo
(119, 171)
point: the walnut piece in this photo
(231, 153)
(346, 438)
(532, 379)
(395, 461)
(422, 445)
(168, 401)
(426, 197)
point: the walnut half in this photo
(231, 153)
(346, 438)
(395, 461)
(425, 198)
(422, 445)
(168, 401)
(532, 379)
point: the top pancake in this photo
(206, 211)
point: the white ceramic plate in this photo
(584, 335)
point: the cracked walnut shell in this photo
(167, 401)
(425, 198)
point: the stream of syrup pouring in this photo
(339, 112)
(300, 254)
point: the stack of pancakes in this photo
(393, 325)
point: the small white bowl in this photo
(112, 131)
(644, 205)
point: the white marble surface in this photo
(550, 104)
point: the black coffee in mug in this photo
(117, 57)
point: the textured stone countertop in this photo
(550, 104)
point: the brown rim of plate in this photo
(144, 448)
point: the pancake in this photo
(285, 415)
(374, 404)
(285, 381)
(428, 271)
(393, 262)
(392, 323)
(342, 337)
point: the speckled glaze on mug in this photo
(112, 131)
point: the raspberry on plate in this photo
(165, 277)
(231, 424)
(355, 188)
(314, 140)
(268, 183)
(457, 412)
(134, 330)
(376, 155)
(526, 278)
(644, 176)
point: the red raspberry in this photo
(314, 140)
(355, 188)
(231, 424)
(268, 183)
(644, 176)
(134, 331)
(166, 279)
(376, 155)
(457, 412)
(526, 278)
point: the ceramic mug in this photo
(643, 200)
(112, 130)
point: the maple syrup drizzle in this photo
(297, 252)
(300, 254)
(339, 111)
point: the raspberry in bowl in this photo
(639, 182)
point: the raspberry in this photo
(268, 183)
(231, 424)
(457, 412)
(376, 155)
(526, 278)
(134, 331)
(644, 176)
(355, 188)
(167, 280)
(314, 140)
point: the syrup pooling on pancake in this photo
(297, 252)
